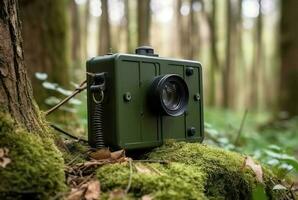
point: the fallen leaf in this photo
(1, 152)
(118, 154)
(101, 154)
(4, 161)
(256, 168)
(93, 190)
(147, 197)
(279, 187)
(142, 169)
(75, 194)
(117, 194)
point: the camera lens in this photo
(169, 95)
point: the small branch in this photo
(81, 87)
(241, 127)
(66, 133)
(130, 176)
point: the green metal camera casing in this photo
(131, 124)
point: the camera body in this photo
(137, 101)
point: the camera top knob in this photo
(146, 51)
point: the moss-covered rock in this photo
(36, 170)
(196, 171)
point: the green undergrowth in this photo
(36, 166)
(195, 171)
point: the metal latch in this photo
(98, 87)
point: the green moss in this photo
(171, 181)
(36, 168)
(196, 171)
(75, 153)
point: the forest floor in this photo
(261, 157)
(259, 164)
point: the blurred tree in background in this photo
(237, 41)
(45, 30)
(289, 52)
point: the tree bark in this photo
(104, 29)
(144, 21)
(289, 52)
(15, 89)
(45, 36)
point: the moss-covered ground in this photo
(191, 170)
(36, 168)
(194, 171)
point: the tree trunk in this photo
(289, 52)
(144, 21)
(15, 90)
(129, 47)
(85, 29)
(76, 56)
(45, 36)
(193, 34)
(214, 61)
(104, 30)
(228, 72)
(257, 61)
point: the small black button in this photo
(191, 131)
(189, 71)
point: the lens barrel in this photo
(168, 95)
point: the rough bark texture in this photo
(45, 35)
(104, 30)
(289, 52)
(15, 90)
(144, 22)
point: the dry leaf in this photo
(117, 194)
(93, 190)
(75, 194)
(147, 197)
(4, 160)
(118, 154)
(1, 152)
(142, 169)
(256, 168)
(101, 154)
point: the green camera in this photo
(137, 101)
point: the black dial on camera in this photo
(169, 95)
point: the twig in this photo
(130, 176)
(79, 89)
(66, 133)
(241, 127)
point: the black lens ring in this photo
(156, 99)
